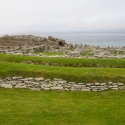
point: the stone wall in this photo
(56, 84)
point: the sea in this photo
(104, 39)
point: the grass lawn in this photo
(26, 107)
(72, 62)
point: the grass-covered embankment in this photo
(69, 62)
(25, 107)
(74, 74)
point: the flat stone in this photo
(24, 79)
(77, 86)
(97, 83)
(35, 83)
(1, 80)
(30, 78)
(72, 83)
(103, 84)
(121, 87)
(11, 82)
(6, 85)
(67, 86)
(39, 79)
(93, 86)
(114, 88)
(62, 82)
(26, 82)
(46, 88)
(56, 88)
(105, 89)
(20, 85)
(29, 86)
(88, 84)
(110, 83)
(66, 89)
(83, 86)
(120, 84)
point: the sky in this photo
(61, 15)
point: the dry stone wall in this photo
(56, 84)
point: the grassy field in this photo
(67, 62)
(26, 107)
(73, 74)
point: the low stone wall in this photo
(56, 84)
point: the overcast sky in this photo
(61, 15)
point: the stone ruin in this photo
(29, 45)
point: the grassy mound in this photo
(70, 62)
(74, 74)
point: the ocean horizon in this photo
(102, 39)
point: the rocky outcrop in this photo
(57, 84)
(29, 44)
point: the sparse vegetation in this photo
(87, 53)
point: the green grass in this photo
(114, 53)
(70, 69)
(50, 53)
(53, 53)
(72, 62)
(87, 52)
(25, 107)
(73, 74)
(37, 53)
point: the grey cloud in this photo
(61, 15)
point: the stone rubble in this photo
(28, 45)
(57, 84)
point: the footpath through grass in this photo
(26, 107)
(72, 74)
